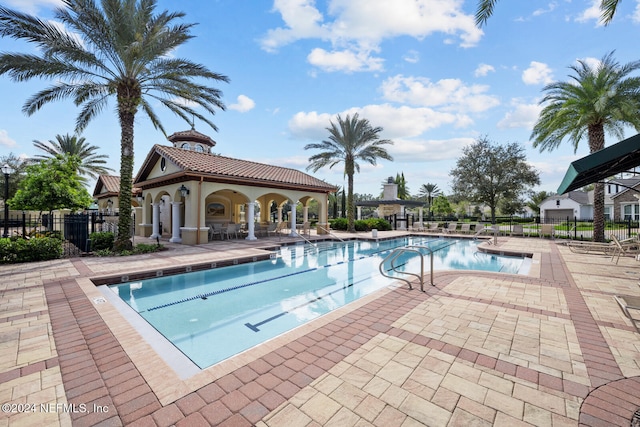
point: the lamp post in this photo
(6, 170)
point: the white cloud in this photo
(412, 56)
(592, 13)
(447, 94)
(243, 105)
(428, 150)
(636, 13)
(5, 140)
(32, 6)
(537, 73)
(522, 116)
(356, 28)
(397, 122)
(550, 8)
(483, 70)
(344, 60)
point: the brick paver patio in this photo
(548, 349)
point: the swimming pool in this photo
(214, 314)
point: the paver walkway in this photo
(548, 349)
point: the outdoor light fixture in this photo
(6, 170)
(183, 190)
(140, 198)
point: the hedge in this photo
(102, 241)
(361, 224)
(23, 250)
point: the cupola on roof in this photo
(191, 139)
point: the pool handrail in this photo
(327, 231)
(395, 254)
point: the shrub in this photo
(22, 250)
(102, 240)
(145, 248)
(339, 223)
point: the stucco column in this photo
(175, 222)
(292, 218)
(279, 213)
(155, 220)
(420, 214)
(305, 214)
(251, 221)
(359, 208)
(403, 224)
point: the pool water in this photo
(214, 314)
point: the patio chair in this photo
(465, 228)
(228, 231)
(215, 229)
(279, 230)
(547, 230)
(306, 229)
(271, 228)
(450, 228)
(626, 303)
(478, 230)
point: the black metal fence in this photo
(74, 229)
(569, 228)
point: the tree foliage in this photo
(18, 165)
(441, 206)
(536, 199)
(52, 184)
(351, 139)
(92, 164)
(120, 50)
(597, 99)
(487, 173)
(485, 8)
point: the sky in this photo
(419, 69)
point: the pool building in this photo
(194, 189)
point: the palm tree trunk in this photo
(596, 143)
(127, 105)
(350, 207)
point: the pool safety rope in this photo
(233, 288)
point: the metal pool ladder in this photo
(396, 253)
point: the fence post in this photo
(575, 228)
(24, 225)
(629, 228)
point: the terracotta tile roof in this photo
(212, 164)
(111, 185)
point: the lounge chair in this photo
(626, 303)
(465, 228)
(518, 230)
(417, 226)
(547, 230)
(433, 227)
(580, 247)
(279, 230)
(306, 229)
(625, 247)
(478, 230)
(451, 228)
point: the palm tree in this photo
(91, 163)
(428, 191)
(596, 100)
(119, 49)
(485, 10)
(350, 140)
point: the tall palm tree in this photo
(596, 100)
(91, 163)
(350, 140)
(428, 191)
(485, 10)
(121, 50)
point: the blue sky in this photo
(419, 69)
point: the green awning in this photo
(598, 166)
